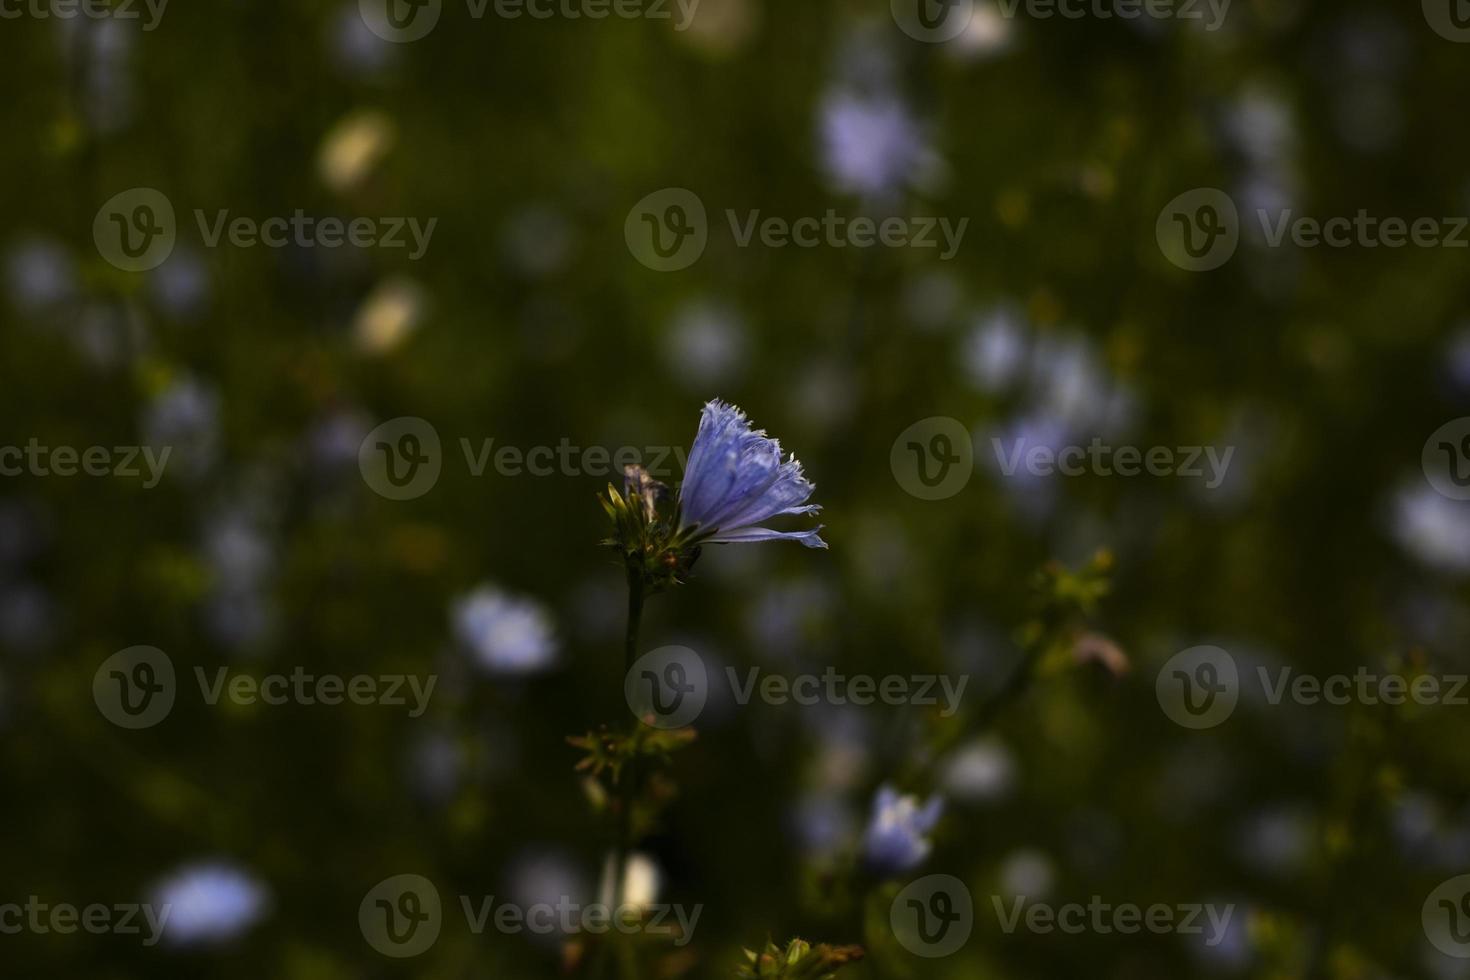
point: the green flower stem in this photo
(635, 617)
(628, 778)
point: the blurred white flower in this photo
(981, 771)
(705, 345)
(210, 902)
(1260, 125)
(356, 48)
(1277, 840)
(39, 275)
(105, 49)
(1027, 873)
(180, 286)
(505, 634)
(994, 350)
(988, 33)
(546, 878)
(1433, 528)
(642, 881)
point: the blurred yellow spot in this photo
(1013, 207)
(389, 314)
(420, 547)
(353, 148)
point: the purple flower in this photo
(871, 144)
(896, 840)
(735, 479)
(210, 902)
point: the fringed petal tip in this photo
(746, 535)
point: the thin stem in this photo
(628, 778)
(635, 617)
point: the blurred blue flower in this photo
(506, 634)
(822, 823)
(210, 902)
(871, 144)
(39, 275)
(735, 479)
(896, 840)
(185, 417)
(995, 350)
